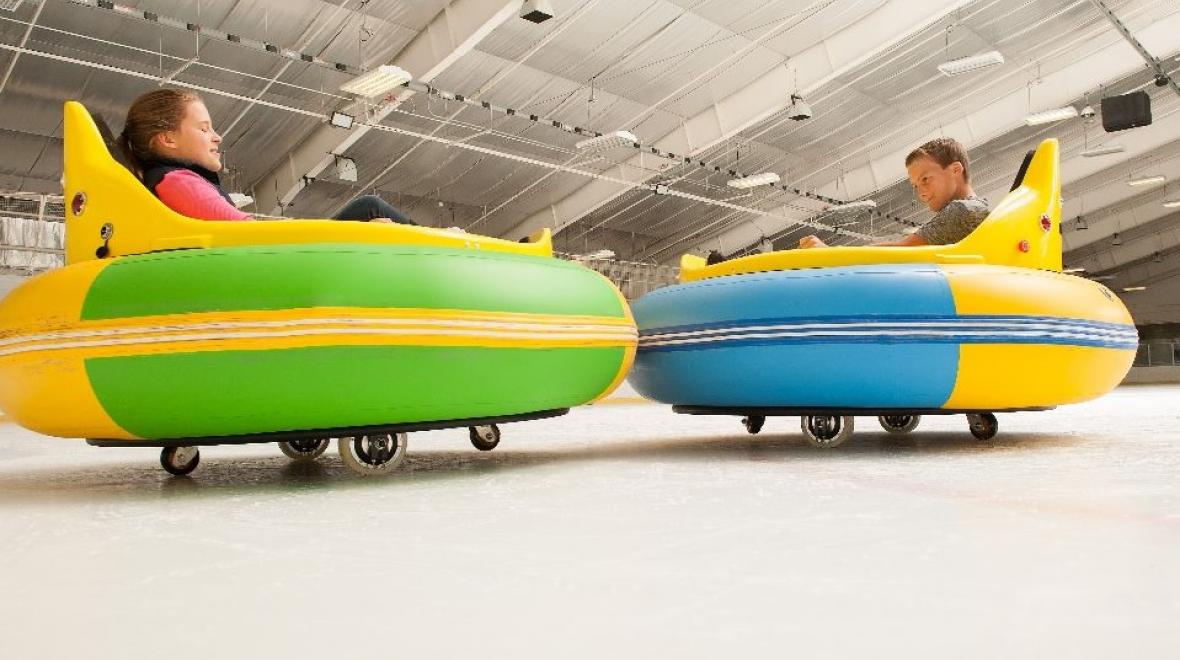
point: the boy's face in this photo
(934, 184)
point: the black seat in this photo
(108, 137)
(1022, 171)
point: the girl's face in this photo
(194, 140)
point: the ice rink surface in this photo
(619, 530)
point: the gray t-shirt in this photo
(955, 221)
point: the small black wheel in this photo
(373, 455)
(484, 438)
(180, 460)
(305, 450)
(826, 431)
(899, 424)
(754, 423)
(984, 426)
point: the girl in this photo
(169, 142)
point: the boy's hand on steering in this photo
(811, 242)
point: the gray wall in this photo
(9, 282)
(1145, 375)
(1160, 303)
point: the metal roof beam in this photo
(818, 65)
(991, 120)
(455, 31)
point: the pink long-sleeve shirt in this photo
(187, 193)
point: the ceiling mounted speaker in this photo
(1127, 111)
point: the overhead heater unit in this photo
(971, 64)
(1120, 113)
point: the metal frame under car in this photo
(831, 427)
(366, 450)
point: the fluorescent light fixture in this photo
(608, 141)
(1132, 289)
(377, 82)
(1103, 278)
(597, 255)
(341, 120)
(753, 181)
(1172, 204)
(860, 205)
(240, 200)
(1152, 180)
(971, 64)
(1156, 257)
(1050, 116)
(1116, 240)
(1080, 224)
(1074, 270)
(1104, 150)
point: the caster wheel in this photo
(984, 426)
(180, 460)
(484, 438)
(373, 455)
(826, 431)
(305, 450)
(753, 423)
(899, 424)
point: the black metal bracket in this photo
(287, 436)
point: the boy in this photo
(938, 172)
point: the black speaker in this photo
(1127, 111)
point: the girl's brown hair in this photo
(149, 115)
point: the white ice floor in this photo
(617, 531)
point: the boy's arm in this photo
(909, 240)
